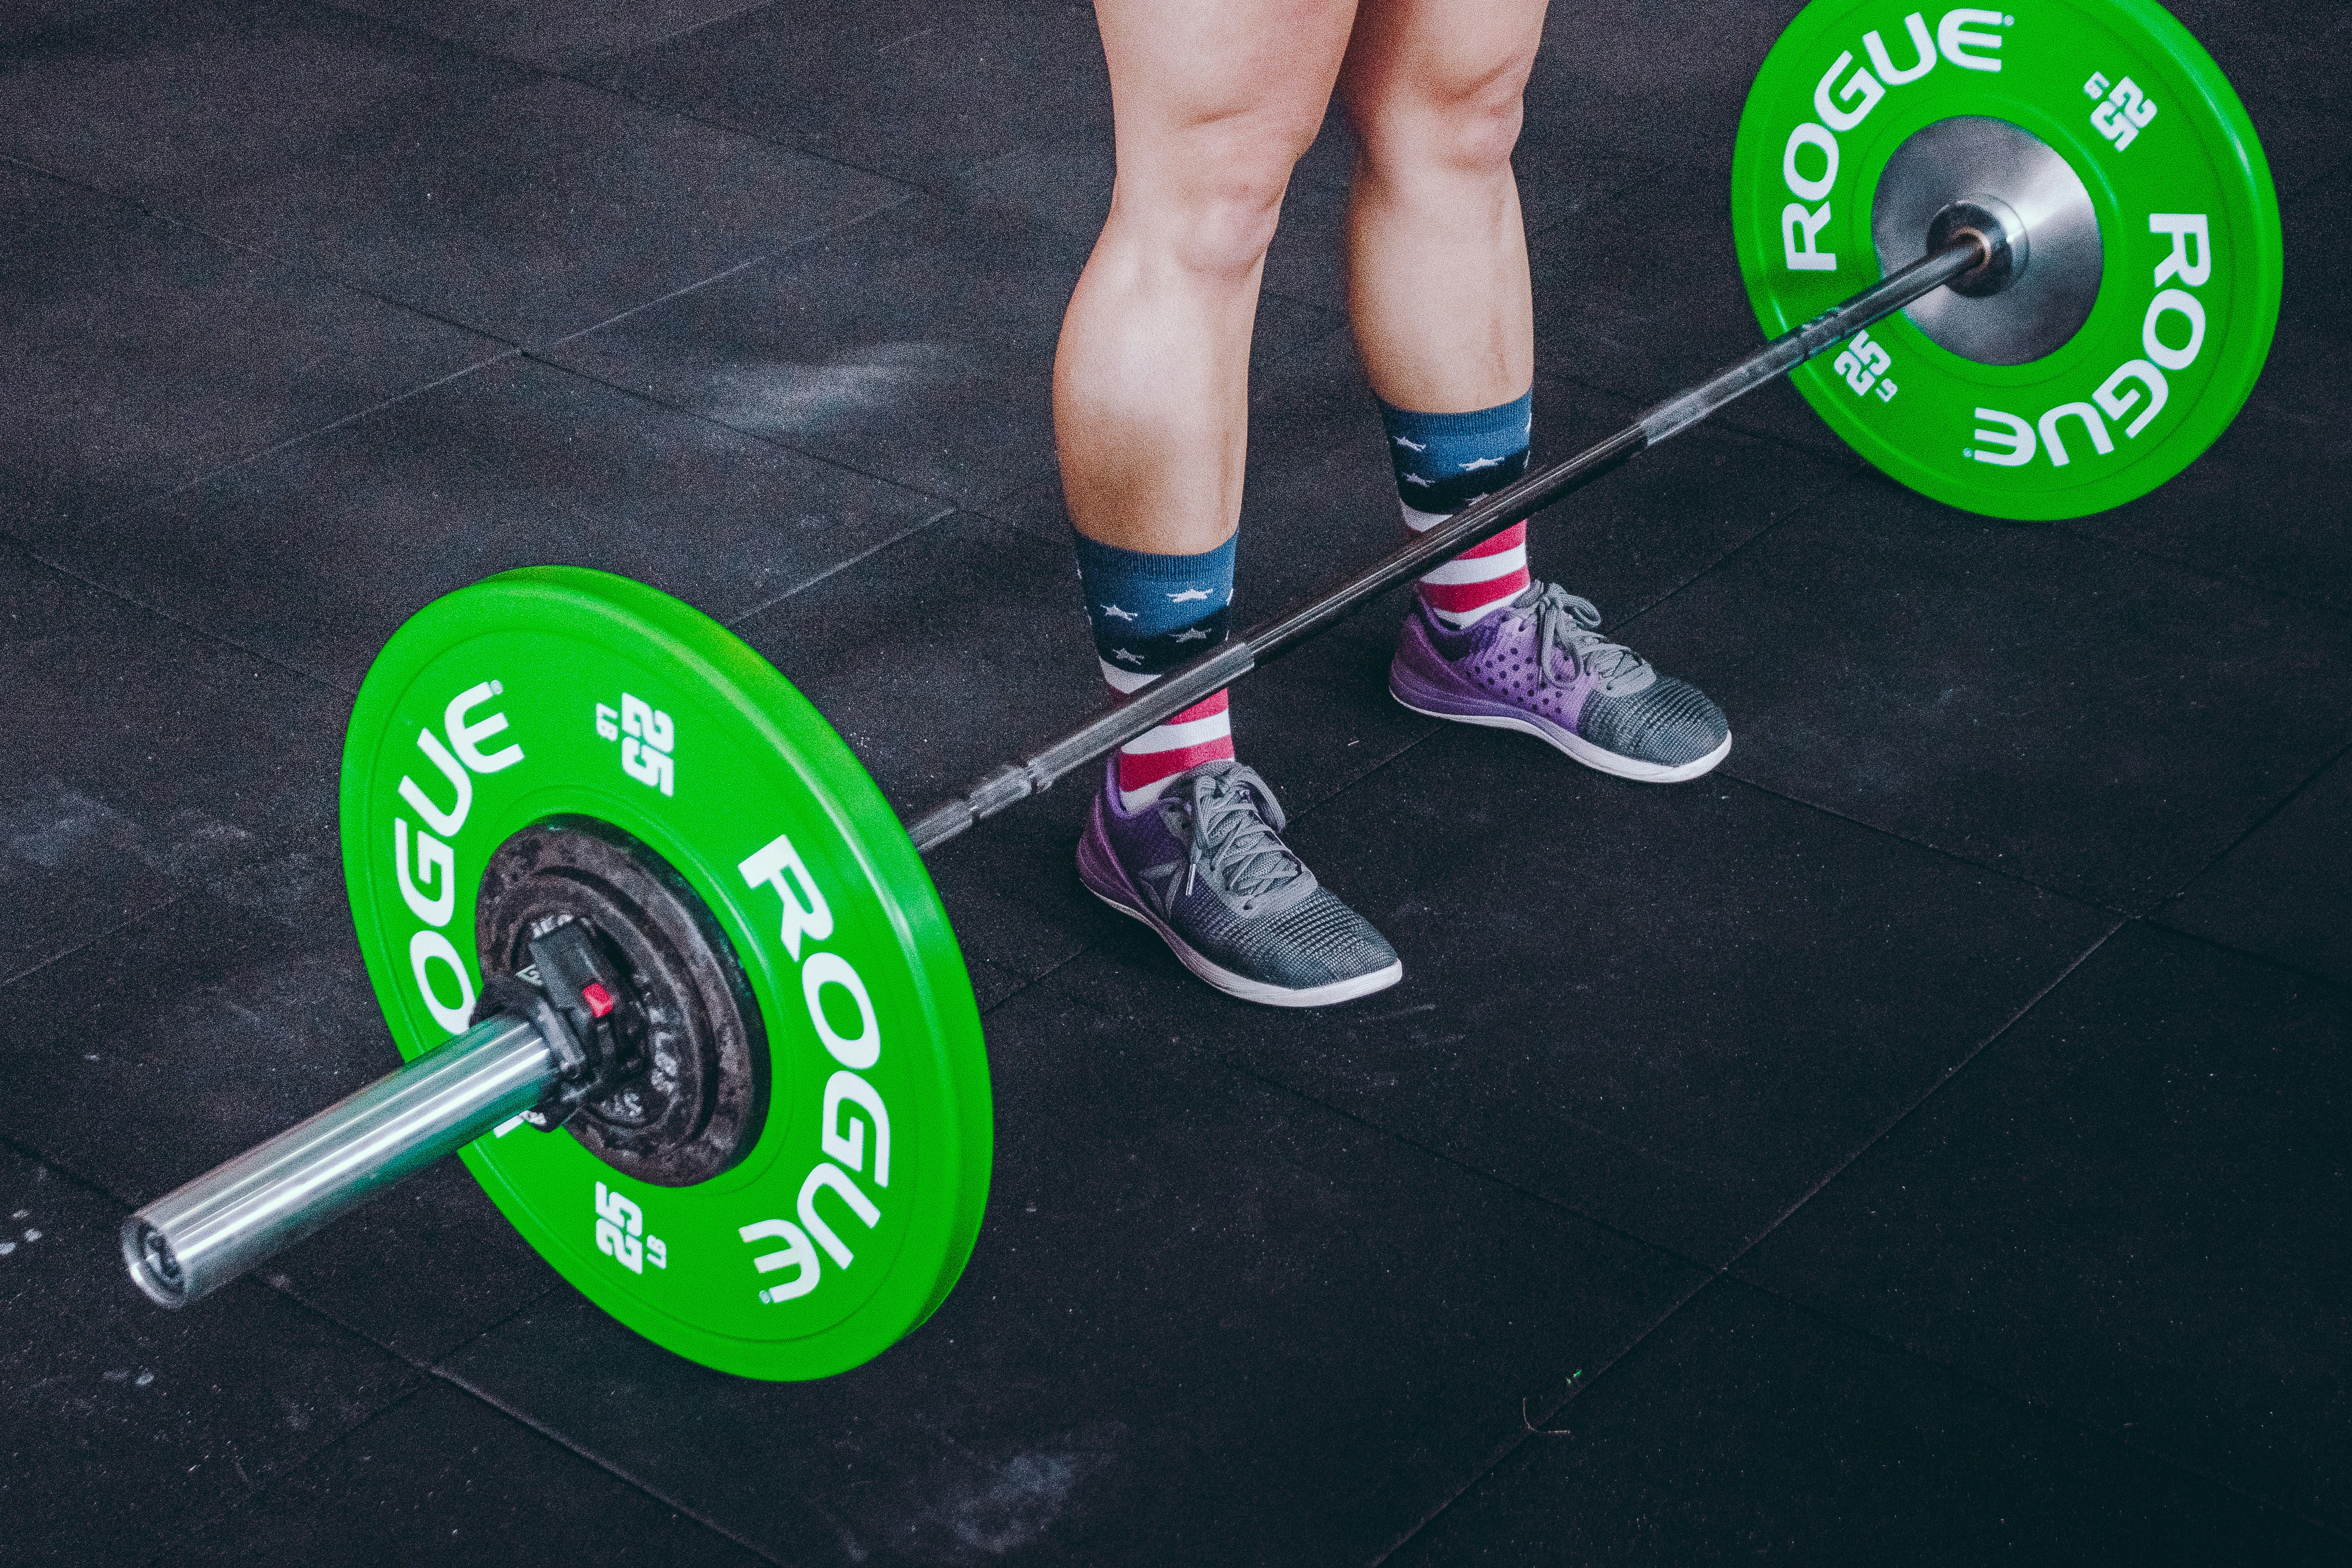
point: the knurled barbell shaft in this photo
(265, 1200)
(1196, 678)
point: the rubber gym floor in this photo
(1923, 1141)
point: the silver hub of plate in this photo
(1949, 173)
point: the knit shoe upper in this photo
(1540, 664)
(1205, 867)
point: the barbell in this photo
(670, 977)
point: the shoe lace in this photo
(1568, 625)
(1233, 843)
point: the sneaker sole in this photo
(1123, 898)
(1575, 746)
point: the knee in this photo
(1211, 207)
(1458, 126)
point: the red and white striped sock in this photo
(1202, 733)
(1479, 580)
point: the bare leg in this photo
(1437, 255)
(1213, 103)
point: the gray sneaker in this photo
(1205, 867)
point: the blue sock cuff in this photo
(1151, 612)
(1444, 461)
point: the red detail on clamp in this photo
(600, 1000)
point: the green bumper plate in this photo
(851, 1217)
(2188, 222)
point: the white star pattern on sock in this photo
(1113, 610)
(1188, 596)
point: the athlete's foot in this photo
(1538, 664)
(1204, 866)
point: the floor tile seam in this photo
(1084, 947)
(2252, 955)
(144, 915)
(1539, 1425)
(2317, 774)
(310, 268)
(1922, 1099)
(208, 1520)
(910, 184)
(926, 523)
(97, 1188)
(27, 1148)
(1480, 1173)
(539, 351)
(287, 443)
(425, 1365)
(656, 401)
(302, 267)
(2094, 905)
(571, 74)
(2025, 1400)
(675, 1505)
(538, 67)
(2196, 569)
(204, 633)
(1803, 504)
(1608, 193)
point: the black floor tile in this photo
(441, 1477)
(1642, 298)
(145, 1059)
(2291, 446)
(918, 347)
(557, 34)
(1747, 1430)
(22, 18)
(2089, 717)
(121, 1424)
(146, 761)
(2131, 1207)
(919, 91)
(1673, 1010)
(1206, 1322)
(523, 205)
(142, 354)
(2286, 891)
(1627, 85)
(317, 553)
(2265, 51)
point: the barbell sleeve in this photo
(1199, 677)
(230, 1219)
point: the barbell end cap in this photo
(152, 1268)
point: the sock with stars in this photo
(1444, 462)
(1149, 614)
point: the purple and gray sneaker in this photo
(1205, 867)
(1539, 664)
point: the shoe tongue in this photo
(1226, 774)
